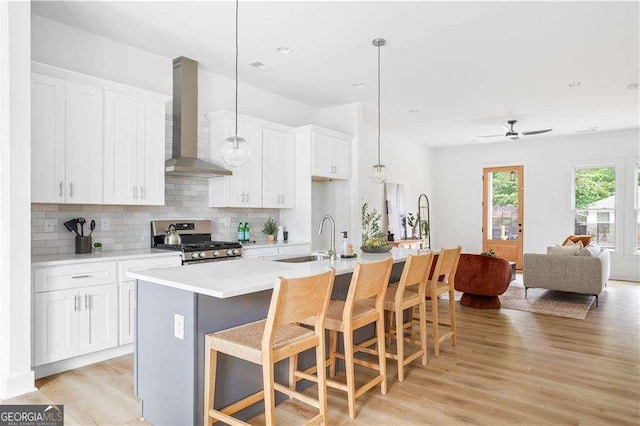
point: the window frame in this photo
(635, 249)
(618, 166)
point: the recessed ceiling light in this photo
(359, 85)
(259, 65)
(575, 84)
(284, 50)
(414, 110)
(632, 86)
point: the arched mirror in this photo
(395, 211)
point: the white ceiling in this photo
(466, 67)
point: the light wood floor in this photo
(508, 367)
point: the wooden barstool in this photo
(405, 294)
(446, 267)
(363, 306)
(271, 340)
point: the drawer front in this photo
(259, 252)
(73, 276)
(305, 248)
(146, 263)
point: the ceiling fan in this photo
(512, 134)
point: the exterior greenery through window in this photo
(637, 207)
(504, 206)
(595, 204)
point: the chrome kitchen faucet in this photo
(332, 250)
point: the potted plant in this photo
(97, 247)
(373, 239)
(270, 228)
(412, 221)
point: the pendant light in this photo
(235, 149)
(379, 173)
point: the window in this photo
(637, 207)
(595, 207)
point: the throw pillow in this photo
(586, 239)
(591, 250)
(570, 243)
(564, 250)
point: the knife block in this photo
(83, 245)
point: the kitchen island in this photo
(178, 306)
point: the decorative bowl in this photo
(371, 249)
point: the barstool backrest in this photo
(415, 273)
(368, 280)
(296, 299)
(447, 264)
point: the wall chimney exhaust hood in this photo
(184, 161)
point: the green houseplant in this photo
(270, 228)
(373, 239)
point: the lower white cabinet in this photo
(127, 311)
(75, 321)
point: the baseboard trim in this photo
(81, 361)
(12, 386)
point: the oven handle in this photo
(219, 259)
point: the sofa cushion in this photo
(564, 250)
(586, 239)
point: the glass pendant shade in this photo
(379, 173)
(235, 151)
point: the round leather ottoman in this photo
(482, 279)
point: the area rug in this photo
(548, 302)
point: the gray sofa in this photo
(575, 274)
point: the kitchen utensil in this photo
(72, 226)
(82, 221)
(172, 236)
(92, 226)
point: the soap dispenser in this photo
(345, 244)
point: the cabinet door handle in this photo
(71, 189)
(247, 197)
(75, 303)
(282, 199)
(134, 192)
(60, 191)
(86, 301)
(142, 192)
(80, 276)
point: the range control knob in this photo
(229, 252)
(236, 252)
(194, 255)
(216, 253)
(203, 254)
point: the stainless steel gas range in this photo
(196, 245)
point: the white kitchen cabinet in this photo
(244, 187)
(73, 322)
(95, 141)
(330, 156)
(278, 162)
(66, 125)
(134, 150)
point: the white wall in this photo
(16, 376)
(67, 47)
(547, 189)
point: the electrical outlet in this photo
(49, 224)
(104, 224)
(178, 326)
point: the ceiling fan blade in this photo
(535, 132)
(489, 136)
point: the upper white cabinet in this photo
(134, 150)
(330, 154)
(95, 141)
(267, 180)
(278, 175)
(66, 159)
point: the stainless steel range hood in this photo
(184, 161)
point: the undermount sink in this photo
(305, 258)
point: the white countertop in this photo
(243, 276)
(105, 256)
